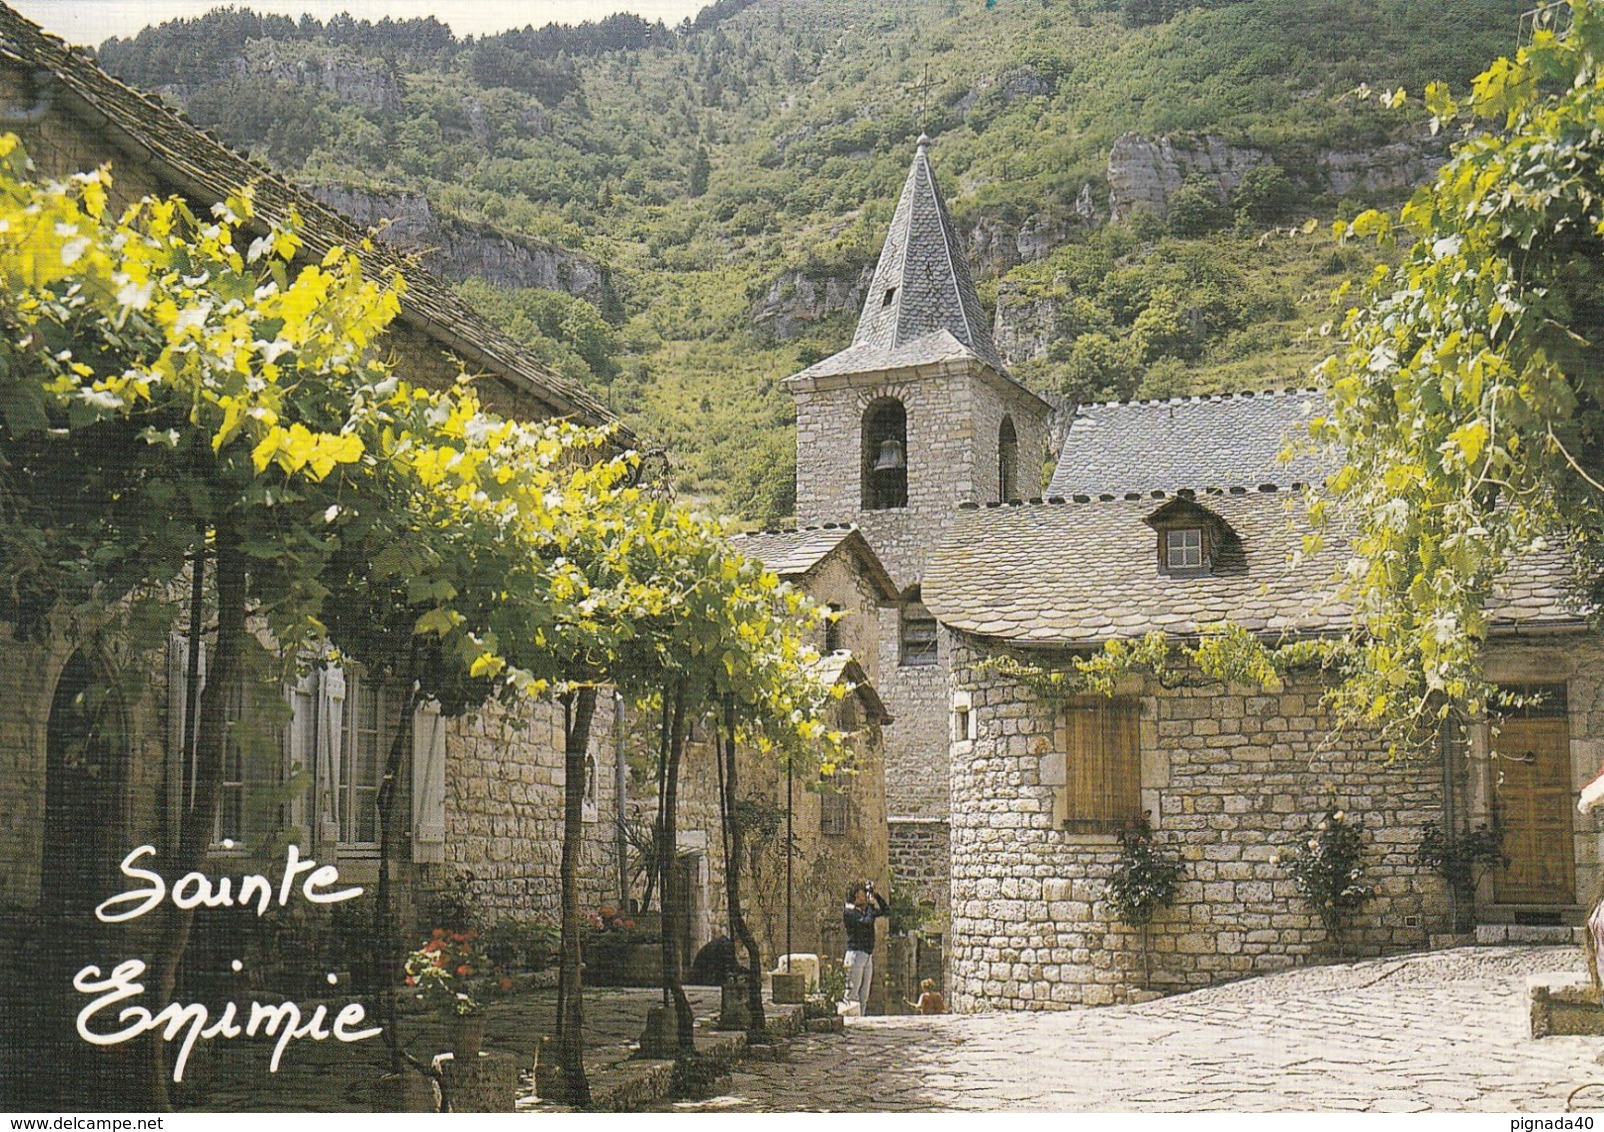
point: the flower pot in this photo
(467, 1036)
(787, 989)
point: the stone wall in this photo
(921, 863)
(504, 813)
(953, 417)
(839, 581)
(1230, 778)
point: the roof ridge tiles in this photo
(1202, 398)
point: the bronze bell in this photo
(890, 458)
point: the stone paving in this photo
(330, 1077)
(1436, 1032)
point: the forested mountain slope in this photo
(718, 190)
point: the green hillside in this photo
(724, 169)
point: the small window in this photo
(891, 294)
(1007, 462)
(918, 631)
(834, 814)
(1100, 739)
(832, 628)
(590, 808)
(1183, 548)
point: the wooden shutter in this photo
(1103, 764)
(300, 753)
(428, 785)
(180, 766)
(329, 740)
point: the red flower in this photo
(505, 983)
(464, 969)
(438, 933)
(411, 982)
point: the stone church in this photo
(1169, 515)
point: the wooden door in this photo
(1534, 797)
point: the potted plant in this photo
(438, 973)
(619, 951)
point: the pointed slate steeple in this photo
(922, 285)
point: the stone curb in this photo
(629, 1086)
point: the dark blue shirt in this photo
(860, 923)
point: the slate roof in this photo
(921, 307)
(203, 167)
(794, 554)
(1075, 574)
(842, 667)
(1228, 440)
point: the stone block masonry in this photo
(1230, 781)
(921, 863)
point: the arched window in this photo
(1007, 462)
(885, 456)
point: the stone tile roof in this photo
(842, 667)
(862, 357)
(921, 307)
(203, 167)
(1080, 573)
(1229, 440)
(795, 553)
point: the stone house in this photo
(837, 826)
(915, 417)
(482, 795)
(1169, 516)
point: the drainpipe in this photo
(621, 799)
(1448, 737)
(44, 99)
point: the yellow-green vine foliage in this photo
(1468, 393)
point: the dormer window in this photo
(1194, 540)
(1183, 548)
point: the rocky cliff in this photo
(1143, 173)
(457, 249)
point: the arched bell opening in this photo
(885, 456)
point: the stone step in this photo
(1492, 934)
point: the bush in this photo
(1328, 868)
(512, 945)
(1146, 878)
(1195, 209)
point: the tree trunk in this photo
(387, 965)
(673, 898)
(579, 708)
(733, 855)
(211, 735)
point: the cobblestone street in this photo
(1444, 1032)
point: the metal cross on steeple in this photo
(923, 87)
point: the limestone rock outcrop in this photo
(458, 249)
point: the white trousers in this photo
(860, 974)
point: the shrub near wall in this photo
(1229, 778)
